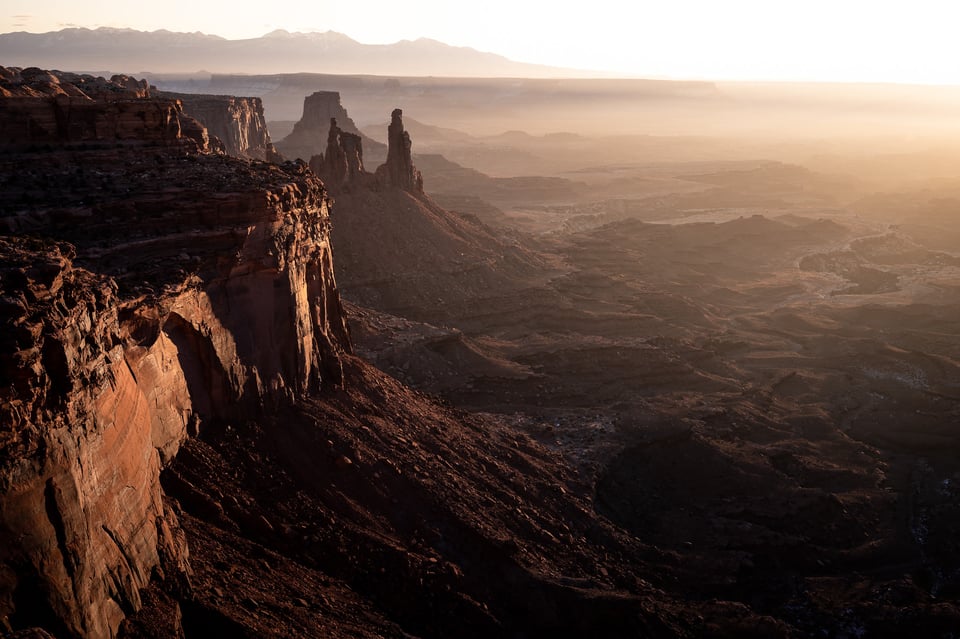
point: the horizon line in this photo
(583, 74)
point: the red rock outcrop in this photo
(399, 170)
(82, 520)
(42, 107)
(166, 289)
(39, 83)
(237, 122)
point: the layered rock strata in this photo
(45, 108)
(82, 521)
(237, 122)
(163, 289)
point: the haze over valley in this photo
(308, 337)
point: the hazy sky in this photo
(858, 40)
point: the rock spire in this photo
(399, 170)
(342, 162)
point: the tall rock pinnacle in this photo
(399, 170)
(342, 162)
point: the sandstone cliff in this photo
(40, 83)
(237, 122)
(168, 313)
(41, 107)
(165, 289)
(83, 523)
(311, 133)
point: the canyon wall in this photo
(161, 289)
(237, 122)
(82, 519)
(43, 108)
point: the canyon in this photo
(751, 355)
(244, 396)
(181, 401)
(238, 123)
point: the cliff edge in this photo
(149, 288)
(189, 449)
(237, 122)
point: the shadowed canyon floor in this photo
(768, 395)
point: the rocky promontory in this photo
(40, 107)
(190, 449)
(237, 122)
(148, 288)
(420, 255)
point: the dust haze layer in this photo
(750, 359)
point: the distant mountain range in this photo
(134, 52)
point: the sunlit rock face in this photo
(161, 287)
(82, 520)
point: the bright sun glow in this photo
(829, 40)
